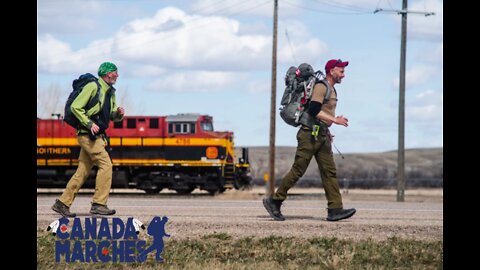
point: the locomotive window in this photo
(181, 128)
(207, 126)
(178, 128)
(153, 122)
(118, 124)
(132, 123)
(141, 119)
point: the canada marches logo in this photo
(98, 240)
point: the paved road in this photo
(244, 215)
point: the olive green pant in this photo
(306, 149)
(91, 153)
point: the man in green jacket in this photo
(93, 140)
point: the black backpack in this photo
(77, 86)
(299, 83)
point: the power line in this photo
(313, 9)
(205, 7)
(404, 11)
(340, 5)
(290, 45)
(378, 4)
(390, 4)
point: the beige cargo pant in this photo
(91, 153)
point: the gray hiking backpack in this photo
(299, 83)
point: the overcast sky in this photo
(214, 57)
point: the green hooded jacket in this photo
(88, 92)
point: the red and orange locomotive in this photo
(180, 152)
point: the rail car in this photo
(180, 152)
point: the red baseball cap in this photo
(335, 63)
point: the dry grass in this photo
(221, 251)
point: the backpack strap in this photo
(329, 91)
(308, 86)
(95, 99)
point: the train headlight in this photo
(211, 152)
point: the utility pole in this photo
(271, 150)
(401, 100)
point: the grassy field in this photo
(221, 251)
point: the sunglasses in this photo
(339, 61)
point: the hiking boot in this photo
(62, 209)
(100, 209)
(335, 214)
(273, 208)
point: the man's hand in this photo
(94, 129)
(341, 120)
(121, 111)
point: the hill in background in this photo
(423, 168)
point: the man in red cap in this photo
(314, 139)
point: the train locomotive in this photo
(180, 152)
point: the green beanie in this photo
(105, 68)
